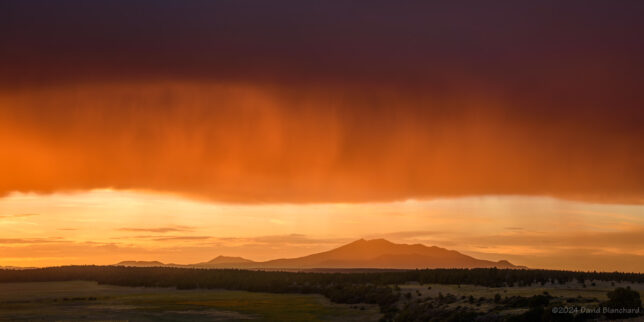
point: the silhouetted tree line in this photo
(350, 288)
(276, 281)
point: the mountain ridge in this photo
(362, 253)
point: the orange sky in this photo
(108, 226)
(176, 133)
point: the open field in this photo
(80, 300)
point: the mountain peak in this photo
(382, 253)
(221, 259)
(371, 241)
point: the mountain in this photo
(225, 262)
(380, 253)
(217, 262)
(15, 267)
(375, 253)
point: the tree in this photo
(623, 298)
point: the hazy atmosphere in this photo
(267, 130)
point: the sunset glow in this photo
(108, 226)
(277, 131)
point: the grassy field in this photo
(89, 301)
(78, 300)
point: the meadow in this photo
(83, 300)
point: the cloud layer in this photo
(300, 102)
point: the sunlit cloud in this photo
(31, 240)
(158, 229)
(18, 216)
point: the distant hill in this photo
(15, 267)
(225, 262)
(217, 262)
(376, 253)
(141, 263)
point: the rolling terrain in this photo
(375, 253)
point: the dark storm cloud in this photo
(380, 41)
(301, 101)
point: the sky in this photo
(178, 131)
